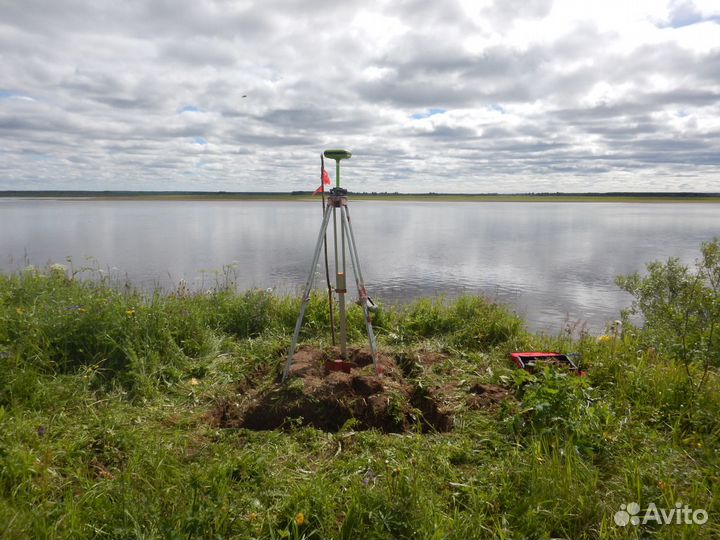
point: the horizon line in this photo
(75, 192)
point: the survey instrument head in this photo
(337, 154)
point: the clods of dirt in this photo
(326, 400)
(313, 396)
(487, 396)
(435, 416)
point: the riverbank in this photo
(126, 414)
(427, 197)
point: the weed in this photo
(106, 429)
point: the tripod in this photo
(337, 200)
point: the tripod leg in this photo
(341, 288)
(306, 292)
(361, 287)
(327, 280)
(335, 245)
(353, 248)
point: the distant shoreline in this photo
(653, 197)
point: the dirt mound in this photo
(309, 362)
(487, 396)
(327, 400)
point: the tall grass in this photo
(104, 431)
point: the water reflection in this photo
(551, 262)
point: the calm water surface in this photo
(551, 262)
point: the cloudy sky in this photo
(453, 96)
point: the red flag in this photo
(325, 180)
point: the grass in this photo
(104, 431)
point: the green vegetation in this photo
(108, 399)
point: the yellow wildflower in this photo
(20, 310)
(130, 312)
(300, 519)
(252, 516)
(604, 338)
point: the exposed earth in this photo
(394, 402)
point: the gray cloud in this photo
(203, 94)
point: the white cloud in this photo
(471, 96)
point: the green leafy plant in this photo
(681, 309)
(562, 406)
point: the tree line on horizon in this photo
(128, 193)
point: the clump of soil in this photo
(326, 400)
(487, 396)
(313, 396)
(434, 415)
